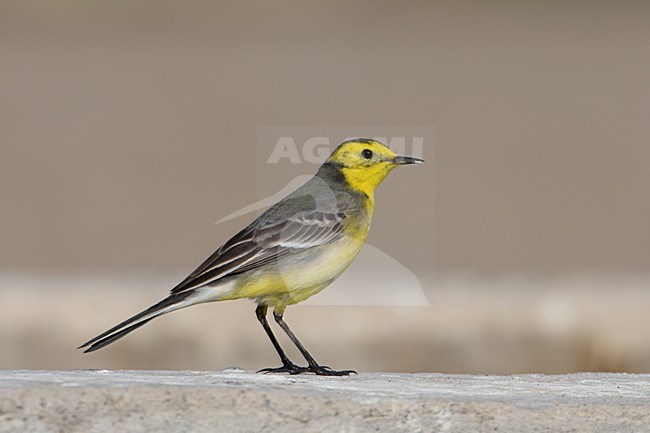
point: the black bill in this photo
(403, 160)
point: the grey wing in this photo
(256, 246)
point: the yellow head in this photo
(365, 163)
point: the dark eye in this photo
(366, 153)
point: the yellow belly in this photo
(296, 278)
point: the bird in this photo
(290, 252)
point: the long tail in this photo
(167, 305)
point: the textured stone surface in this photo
(239, 401)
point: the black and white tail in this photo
(167, 305)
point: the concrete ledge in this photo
(238, 401)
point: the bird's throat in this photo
(367, 180)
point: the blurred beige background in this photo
(129, 128)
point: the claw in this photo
(321, 370)
(287, 368)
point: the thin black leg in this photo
(287, 365)
(320, 370)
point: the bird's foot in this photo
(323, 370)
(287, 367)
(319, 370)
